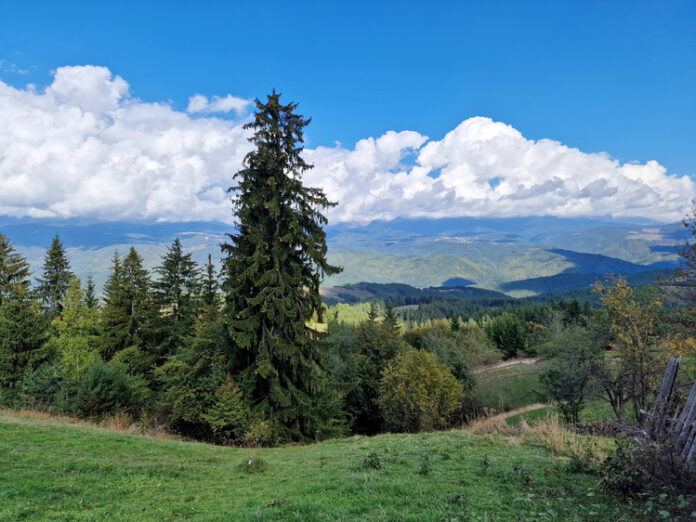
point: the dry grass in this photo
(120, 423)
(495, 423)
(554, 436)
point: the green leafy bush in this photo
(418, 393)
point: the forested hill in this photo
(516, 255)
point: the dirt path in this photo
(504, 364)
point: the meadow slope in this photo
(58, 471)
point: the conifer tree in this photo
(209, 294)
(23, 333)
(176, 292)
(77, 332)
(391, 322)
(53, 284)
(274, 265)
(14, 269)
(90, 297)
(128, 309)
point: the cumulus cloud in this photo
(84, 146)
(201, 104)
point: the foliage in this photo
(14, 270)
(507, 333)
(176, 294)
(77, 332)
(273, 268)
(645, 467)
(23, 333)
(54, 281)
(568, 379)
(360, 356)
(417, 393)
(228, 416)
(128, 311)
(105, 389)
(641, 355)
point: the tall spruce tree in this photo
(177, 290)
(53, 283)
(14, 269)
(128, 309)
(23, 329)
(209, 293)
(273, 268)
(90, 296)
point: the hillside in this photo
(55, 471)
(483, 252)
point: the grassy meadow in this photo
(53, 470)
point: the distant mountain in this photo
(362, 292)
(481, 252)
(574, 281)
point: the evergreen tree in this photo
(53, 284)
(176, 293)
(128, 310)
(23, 332)
(14, 269)
(90, 297)
(273, 268)
(77, 332)
(390, 320)
(209, 294)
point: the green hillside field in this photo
(53, 470)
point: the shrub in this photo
(417, 393)
(426, 464)
(105, 389)
(372, 461)
(645, 467)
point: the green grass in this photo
(56, 471)
(510, 387)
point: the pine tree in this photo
(176, 292)
(273, 268)
(90, 297)
(14, 270)
(53, 284)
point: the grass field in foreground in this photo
(57, 471)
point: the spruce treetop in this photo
(54, 281)
(274, 265)
(14, 270)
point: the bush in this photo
(418, 394)
(646, 468)
(105, 389)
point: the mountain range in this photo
(517, 256)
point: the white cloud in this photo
(85, 147)
(201, 104)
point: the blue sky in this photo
(606, 76)
(602, 76)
